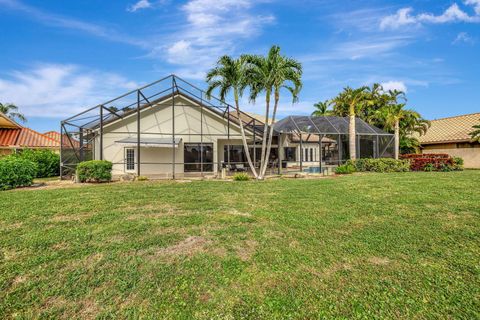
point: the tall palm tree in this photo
(231, 74)
(322, 109)
(11, 111)
(271, 74)
(402, 121)
(355, 100)
(475, 134)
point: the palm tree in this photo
(11, 111)
(322, 109)
(391, 115)
(231, 74)
(475, 134)
(402, 121)
(271, 74)
(355, 100)
(392, 112)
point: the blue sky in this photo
(60, 57)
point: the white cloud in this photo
(52, 90)
(211, 28)
(394, 85)
(404, 17)
(65, 22)
(463, 37)
(141, 4)
(365, 48)
(475, 4)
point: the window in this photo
(306, 155)
(130, 159)
(236, 155)
(198, 157)
(311, 154)
(290, 154)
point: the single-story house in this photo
(168, 129)
(15, 137)
(452, 136)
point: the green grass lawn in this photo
(363, 246)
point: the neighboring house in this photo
(168, 129)
(452, 136)
(15, 137)
(55, 135)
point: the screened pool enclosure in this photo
(312, 143)
(169, 129)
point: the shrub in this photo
(380, 165)
(16, 172)
(445, 168)
(429, 162)
(429, 167)
(241, 176)
(457, 163)
(47, 161)
(94, 171)
(347, 168)
(142, 178)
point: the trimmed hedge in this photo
(380, 165)
(47, 161)
(433, 162)
(16, 172)
(94, 171)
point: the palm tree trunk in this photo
(244, 139)
(270, 136)
(352, 137)
(397, 139)
(265, 134)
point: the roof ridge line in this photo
(459, 116)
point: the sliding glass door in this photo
(198, 157)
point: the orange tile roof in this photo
(52, 135)
(66, 142)
(8, 137)
(453, 129)
(25, 138)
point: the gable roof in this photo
(452, 129)
(110, 118)
(258, 117)
(52, 135)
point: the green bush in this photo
(47, 161)
(241, 176)
(380, 165)
(347, 168)
(429, 167)
(16, 172)
(445, 168)
(94, 171)
(457, 164)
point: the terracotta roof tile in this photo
(31, 138)
(53, 135)
(8, 137)
(26, 138)
(453, 129)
